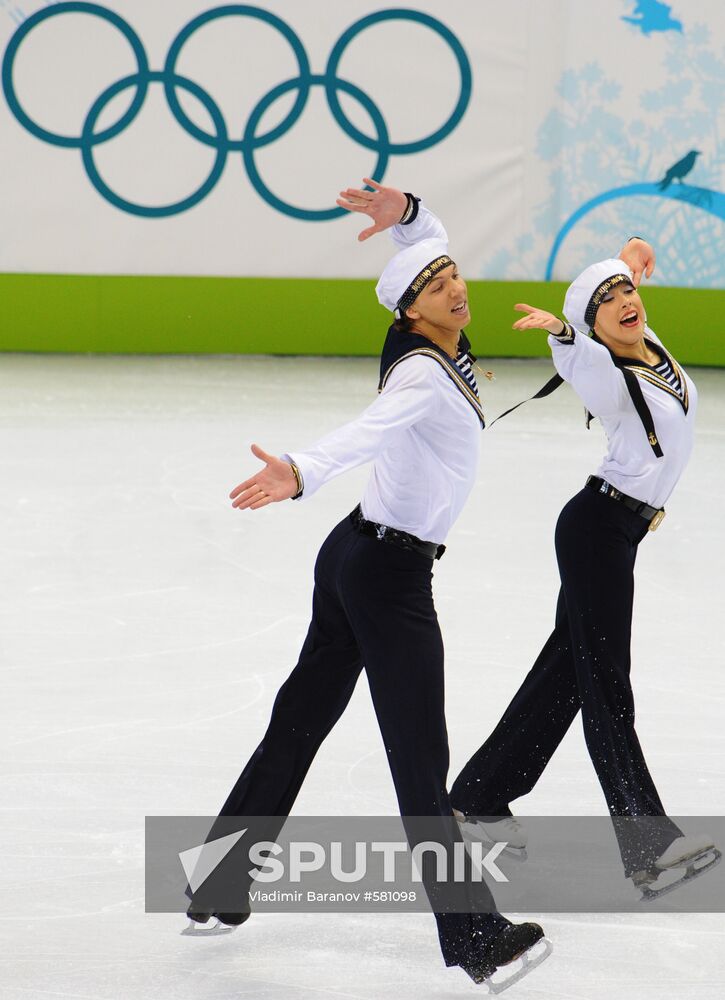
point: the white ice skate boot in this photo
(696, 855)
(225, 922)
(507, 830)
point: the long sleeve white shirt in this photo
(421, 435)
(630, 463)
(423, 439)
(425, 226)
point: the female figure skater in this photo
(646, 403)
(372, 601)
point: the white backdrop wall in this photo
(569, 100)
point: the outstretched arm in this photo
(386, 207)
(410, 394)
(275, 482)
(582, 362)
(639, 256)
(539, 319)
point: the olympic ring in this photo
(249, 143)
(401, 148)
(303, 66)
(219, 139)
(88, 141)
(73, 8)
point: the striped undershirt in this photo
(665, 369)
(463, 363)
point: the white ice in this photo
(146, 627)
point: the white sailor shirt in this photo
(421, 433)
(422, 436)
(630, 463)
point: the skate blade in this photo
(471, 832)
(514, 972)
(693, 870)
(194, 930)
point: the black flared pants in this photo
(585, 665)
(372, 608)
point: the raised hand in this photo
(384, 205)
(639, 256)
(537, 319)
(275, 482)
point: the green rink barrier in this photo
(115, 314)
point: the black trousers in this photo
(372, 607)
(585, 665)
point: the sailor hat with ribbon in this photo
(409, 271)
(585, 293)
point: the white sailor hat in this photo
(586, 292)
(409, 271)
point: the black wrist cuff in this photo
(567, 334)
(411, 210)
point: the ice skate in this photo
(225, 923)
(514, 953)
(696, 855)
(508, 830)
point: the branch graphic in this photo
(706, 199)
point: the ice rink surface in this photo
(146, 627)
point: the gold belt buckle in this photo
(657, 520)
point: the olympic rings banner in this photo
(187, 138)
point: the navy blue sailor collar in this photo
(649, 373)
(632, 372)
(400, 345)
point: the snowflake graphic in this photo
(589, 149)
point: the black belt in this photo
(654, 515)
(402, 539)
